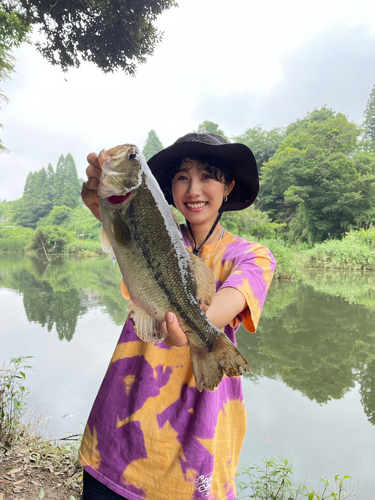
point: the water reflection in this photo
(317, 335)
(320, 343)
(59, 293)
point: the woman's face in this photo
(196, 194)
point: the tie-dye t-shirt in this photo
(151, 434)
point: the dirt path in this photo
(31, 475)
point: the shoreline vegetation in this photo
(355, 252)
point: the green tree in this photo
(212, 128)
(118, 34)
(152, 145)
(50, 239)
(13, 31)
(262, 143)
(56, 217)
(369, 123)
(66, 189)
(36, 202)
(317, 182)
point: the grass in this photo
(355, 251)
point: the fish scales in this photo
(158, 271)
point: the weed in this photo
(273, 482)
(13, 397)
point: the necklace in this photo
(217, 244)
(200, 248)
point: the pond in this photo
(310, 397)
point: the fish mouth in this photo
(117, 199)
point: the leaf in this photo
(41, 493)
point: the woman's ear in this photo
(229, 188)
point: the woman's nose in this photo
(194, 187)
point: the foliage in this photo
(13, 397)
(262, 143)
(273, 481)
(83, 224)
(288, 261)
(152, 145)
(112, 35)
(13, 31)
(355, 251)
(14, 238)
(250, 223)
(50, 239)
(84, 248)
(66, 186)
(57, 216)
(317, 178)
(369, 123)
(45, 189)
(212, 128)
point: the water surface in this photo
(310, 396)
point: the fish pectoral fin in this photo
(105, 243)
(176, 219)
(204, 279)
(147, 328)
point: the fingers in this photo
(89, 191)
(176, 337)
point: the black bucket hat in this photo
(238, 157)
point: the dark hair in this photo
(214, 167)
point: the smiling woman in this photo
(151, 423)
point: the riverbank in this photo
(356, 251)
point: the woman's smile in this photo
(198, 195)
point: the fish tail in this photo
(209, 366)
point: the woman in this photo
(151, 434)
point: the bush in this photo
(14, 238)
(287, 264)
(354, 251)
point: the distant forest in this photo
(317, 182)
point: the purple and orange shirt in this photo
(151, 435)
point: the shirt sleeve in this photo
(251, 274)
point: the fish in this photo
(161, 275)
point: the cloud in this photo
(337, 70)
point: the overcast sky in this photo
(237, 64)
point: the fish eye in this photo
(132, 156)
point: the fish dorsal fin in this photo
(105, 243)
(205, 280)
(148, 329)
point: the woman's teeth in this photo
(196, 205)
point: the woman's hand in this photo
(89, 191)
(226, 305)
(176, 337)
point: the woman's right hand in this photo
(89, 191)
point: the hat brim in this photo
(237, 156)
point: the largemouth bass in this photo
(160, 274)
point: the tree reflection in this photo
(54, 295)
(320, 344)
